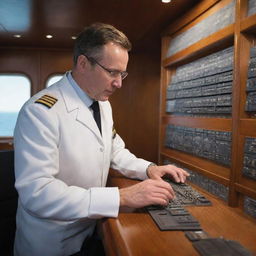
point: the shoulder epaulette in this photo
(47, 101)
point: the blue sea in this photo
(7, 123)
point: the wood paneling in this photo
(37, 64)
(54, 62)
(136, 106)
(22, 61)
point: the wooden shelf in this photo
(208, 123)
(249, 24)
(216, 41)
(245, 190)
(248, 127)
(209, 168)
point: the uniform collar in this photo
(74, 102)
(82, 94)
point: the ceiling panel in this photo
(141, 20)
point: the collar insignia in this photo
(113, 133)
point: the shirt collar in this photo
(82, 94)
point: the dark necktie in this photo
(96, 113)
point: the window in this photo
(53, 79)
(14, 91)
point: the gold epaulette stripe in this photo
(50, 98)
(47, 101)
(47, 104)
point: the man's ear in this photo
(82, 63)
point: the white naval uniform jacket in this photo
(61, 168)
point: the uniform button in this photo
(101, 149)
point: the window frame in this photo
(6, 141)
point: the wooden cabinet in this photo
(207, 61)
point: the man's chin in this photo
(104, 98)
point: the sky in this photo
(15, 91)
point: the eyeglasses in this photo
(112, 72)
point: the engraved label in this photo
(251, 7)
(251, 83)
(250, 206)
(249, 163)
(215, 22)
(203, 87)
(251, 101)
(213, 145)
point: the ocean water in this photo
(7, 123)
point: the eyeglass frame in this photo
(111, 72)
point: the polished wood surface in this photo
(134, 233)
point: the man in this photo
(62, 157)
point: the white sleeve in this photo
(126, 162)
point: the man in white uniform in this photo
(62, 157)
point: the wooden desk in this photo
(134, 233)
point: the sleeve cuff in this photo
(104, 202)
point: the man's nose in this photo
(117, 82)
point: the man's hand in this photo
(157, 172)
(147, 192)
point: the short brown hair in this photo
(91, 40)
